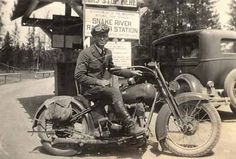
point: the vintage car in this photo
(200, 61)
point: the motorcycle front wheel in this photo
(200, 133)
(66, 149)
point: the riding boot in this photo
(129, 124)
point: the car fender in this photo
(164, 112)
(194, 83)
(48, 102)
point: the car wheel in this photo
(230, 89)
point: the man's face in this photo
(101, 39)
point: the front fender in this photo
(194, 84)
(165, 112)
(46, 103)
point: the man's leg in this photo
(113, 97)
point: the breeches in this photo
(109, 95)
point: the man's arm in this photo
(121, 72)
(81, 70)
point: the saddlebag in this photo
(60, 109)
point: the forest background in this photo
(161, 18)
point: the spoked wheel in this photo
(49, 130)
(199, 133)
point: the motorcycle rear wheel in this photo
(60, 150)
(200, 137)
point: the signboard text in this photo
(122, 24)
(125, 3)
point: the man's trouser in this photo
(110, 96)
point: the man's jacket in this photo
(91, 66)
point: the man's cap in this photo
(99, 29)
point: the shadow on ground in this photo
(227, 116)
(31, 104)
(124, 151)
(102, 151)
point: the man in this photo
(91, 66)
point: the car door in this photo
(188, 60)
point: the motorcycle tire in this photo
(191, 151)
(46, 140)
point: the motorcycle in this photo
(187, 124)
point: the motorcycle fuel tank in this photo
(144, 91)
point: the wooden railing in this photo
(5, 75)
(43, 73)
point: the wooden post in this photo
(5, 79)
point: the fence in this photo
(5, 75)
(43, 73)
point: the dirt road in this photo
(19, 102)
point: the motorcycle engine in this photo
(109, 125)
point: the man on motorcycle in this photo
(91, 66)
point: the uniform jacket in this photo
(91, 66)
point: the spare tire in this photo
(230, 88)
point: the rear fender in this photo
(194, 84)
(46, 104)
(165, 111)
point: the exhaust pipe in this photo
(82, 141)
(93, 141)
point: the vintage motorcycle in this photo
(187, 124)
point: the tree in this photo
(166, 17)
(185, 15)
(7, 50)
(232, 21)
(2, 2)
(31, 39)
(202, 15)
(30, 48)
(15, 35)
(174, 16)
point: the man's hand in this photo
(103, 82)
(137, 72)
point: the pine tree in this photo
(232, 21)
(2, 3)
(7, 50)
(174, 16)
(15, 35)
(31, 39)
(201, 15)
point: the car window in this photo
(167, 51)
(228, 46)
(190, 47)
(181, 47)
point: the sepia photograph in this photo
(117, 79)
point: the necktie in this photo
(103, 54)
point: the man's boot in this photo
(132, 128)
(129, 124)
